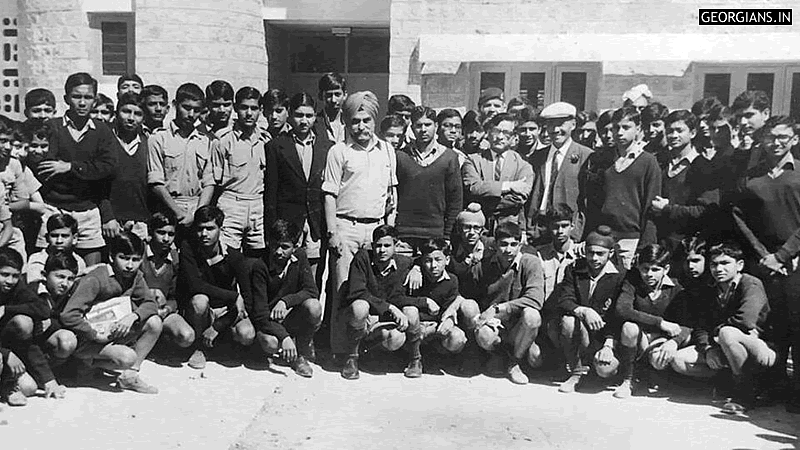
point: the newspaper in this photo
(105, 314)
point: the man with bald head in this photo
(359, 188)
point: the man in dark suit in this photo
(293, 180)
(496, 178)
(556, 172)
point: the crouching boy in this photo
(128, 342)
(585, 301)
(378, 307)
(729, 325)
(510, 286)
(287, 324)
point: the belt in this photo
(357, 219)
(241, 197)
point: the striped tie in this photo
(498, 167)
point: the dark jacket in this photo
(573, 292)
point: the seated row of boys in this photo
(595, 313)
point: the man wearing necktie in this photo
(498, 179)
(556, 168)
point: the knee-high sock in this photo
(626, 359)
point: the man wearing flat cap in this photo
(556, 172)
(491, 103)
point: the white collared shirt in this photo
(392, 266)
(129, 147)
(633, 152)
(223, 252)
(559, 154)
(432, 152)
(779, 168)
(682, 162)
(77, 134)
(666, 281)
(292, 260)
(609, 268)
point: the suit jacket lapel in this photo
(486, 166)
(290, 153)
(320, 155)
(583, 285)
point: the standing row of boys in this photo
(504, 234)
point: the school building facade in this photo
(439, 52)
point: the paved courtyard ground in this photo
(252, 406)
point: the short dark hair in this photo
(248, 93)
(605, 118)
(79, 79)
(36, 128)
(518, 101)
(654, 254)
(274, 97)
(10, 258)
(583, 117)
(422, 111)
(684, 116)
(727, 248)
(332, 81)
(161, 219)
(435, 244)
(283, 231)
(129, 77)
(126, 243)
(777, 121)
(528, 114)
(559, 212)
(209, 213)
(627, 112)
(705, 105)
(471, 121)
(507, 230)
(154, 90)
(62, 220)
(392, 120)
(129, 98)
(302, 99)
(757, 99)
(61, 260)
(400, 103)
(693, 244)
(502, 117)
(102, 99)
(39, 96)
(654, 112)
(219, 89)
(190, 92)
(447, 113)
(385, 230)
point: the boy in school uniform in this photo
(155, 102)
(129, 82)
(562, 251)
(587, 327)
(392, 130)
(654, 127)
(103, 109)
(160, 268)
(218, 286)
(125, 207)
(288, 322)
(80, 160)
(133, 336)
(179, 158)
(275, 109)
(238, 164)
(330, 122)
(376, 298)
(40, 104)
(402, 106)
(61, 232)
(630, 186)
(22, 313)
(219, 103)
(510, 295)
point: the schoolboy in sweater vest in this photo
(428, 184)
(130, 339)
(511, 295)
(125, 208)
(160, 268)
(652, 308)
(767, 215)
(376, 306)
(80, 160)
(179, 159)
(630, 186)
(287, 324)
(22, 312)
(238, 163)
(587, 327)
(729, 322)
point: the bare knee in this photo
(124, 357)
(244, 333)
(531, 319)
(199, 303)
(630, 333)
(269, 343)
(314, 310)
(394, 341)
(535, 358)
(20, 327)
(568, 324)
(729, 336)
(359, 311)
(469, 310)
(412, 314)
(184, 337)
(455, 341)
(66, 343)
(153, 325)
(27, 385)
(487, 338)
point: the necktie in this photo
(498, 167)
(553, 176)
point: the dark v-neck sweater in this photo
(429, 198)
(127, 197)
(628, 195)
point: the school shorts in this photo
(90, 231)
(244, 220)
(89, 349)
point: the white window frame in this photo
(781, 89)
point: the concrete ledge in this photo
(104, 6)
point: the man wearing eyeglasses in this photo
(498, 179)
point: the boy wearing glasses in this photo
(497, 179)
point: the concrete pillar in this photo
(199, 41)
(53, 41)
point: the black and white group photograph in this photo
(399, 224)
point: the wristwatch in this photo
(497, 308)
